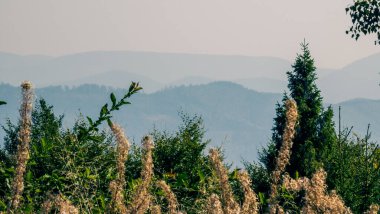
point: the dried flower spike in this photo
(285, 151)
(230, 205)
(122, 151)
(155, 209)
(213, 205)
(169, 196)
(250, 204)
(23, 146)
(142, 197)
(117, 186)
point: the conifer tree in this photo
(315, 128)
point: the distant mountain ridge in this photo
(359, 79)
(157, 71)
(235, 117)
(163, 67)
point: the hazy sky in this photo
(242, 27)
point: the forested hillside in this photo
(234, 116)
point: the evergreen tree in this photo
(315, 128)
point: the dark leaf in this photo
(113, 99)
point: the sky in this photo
(228, 27)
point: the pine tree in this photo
(315, 128)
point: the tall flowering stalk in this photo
(23, 146)
(213, 205)
(230, 206)
(285, 151)
(155, 209)
(250, 204)
(169, 196)
(142, 197)
(117, 186)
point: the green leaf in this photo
(104, 110)
(234, 174)
(2, 102)
(28, 176)
(201, 175)
(3, 206)
(102, 201)
(113, 99)
(262, 198)
(90, 121)
(95, 138)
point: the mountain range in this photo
(157, 71)
(235, 117)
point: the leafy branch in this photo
(2, 102)
(106, 110)
(365, 17)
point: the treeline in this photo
(307, 167)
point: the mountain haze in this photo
(160, 70)
(360, 79)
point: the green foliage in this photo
(259, 176)
(351, 165)
(268, 155)
(6, 176)
(308, 143)
(365, 17)
(105, 112)
(11, 139)
(78, 163)
(260, 183)
(179, 160)
(354, 171)
(2, 102)
(59, 163)
(290, 201)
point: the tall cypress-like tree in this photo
(315, 128)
